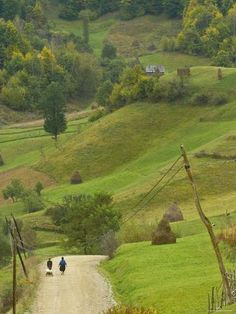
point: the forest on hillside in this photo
(33, 55)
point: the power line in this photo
(157, 183)
(155, 194)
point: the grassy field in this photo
(172, 278)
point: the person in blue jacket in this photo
(62, 265)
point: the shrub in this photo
(97, 115)
(218, 99)
(175, 90)
(208, 98)
(103, 93)
(5, 251)
(163, 234)
(29, 236)
(168, 43)
(109, 244)
(76, 178)
(108, 51)
(32, 202)
(201, 99)
(229, 236)
(131, 233)
(121, 309)
(15, 190)
(38, 188)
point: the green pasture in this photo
(25, 146)
(172, 278)
(173, 60)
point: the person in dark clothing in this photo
(62, 265)
(49, 264)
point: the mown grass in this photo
(25, 146)
(173, 60)
(172, 278)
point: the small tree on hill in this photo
(53, 104)
(109, 51)
(38, 188)
(15, 190)
(84, 15)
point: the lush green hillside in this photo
(172, 278)
(140, 36)
(125, 153)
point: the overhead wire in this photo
(157, 183)
(153, 196)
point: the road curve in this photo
(81, 290)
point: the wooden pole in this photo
(209, 228)
(14, 271)
(17, 248)
(19, 235)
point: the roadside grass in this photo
(172, 278)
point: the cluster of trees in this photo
(128, 9)
(134, 85)
(209, 28)
(31, 198)
(33, 56)
(86, 220)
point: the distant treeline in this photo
(128, 9)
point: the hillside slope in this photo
(124, 152)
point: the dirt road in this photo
(81, 290)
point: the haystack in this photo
(76, 178)
(163, 233)
(173, 213)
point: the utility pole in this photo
(209, 228)
(13, 270)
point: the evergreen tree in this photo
(53, 104)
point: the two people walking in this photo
(62, 265)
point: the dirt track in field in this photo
(81, 290)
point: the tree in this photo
(53, 105)
(38, 188)
(15, 190)
(173, 8)
(104, 93)
(84, 15)
(32, 201)
(86, 218)
(231, 19)
(109, 51)
(5, 251)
